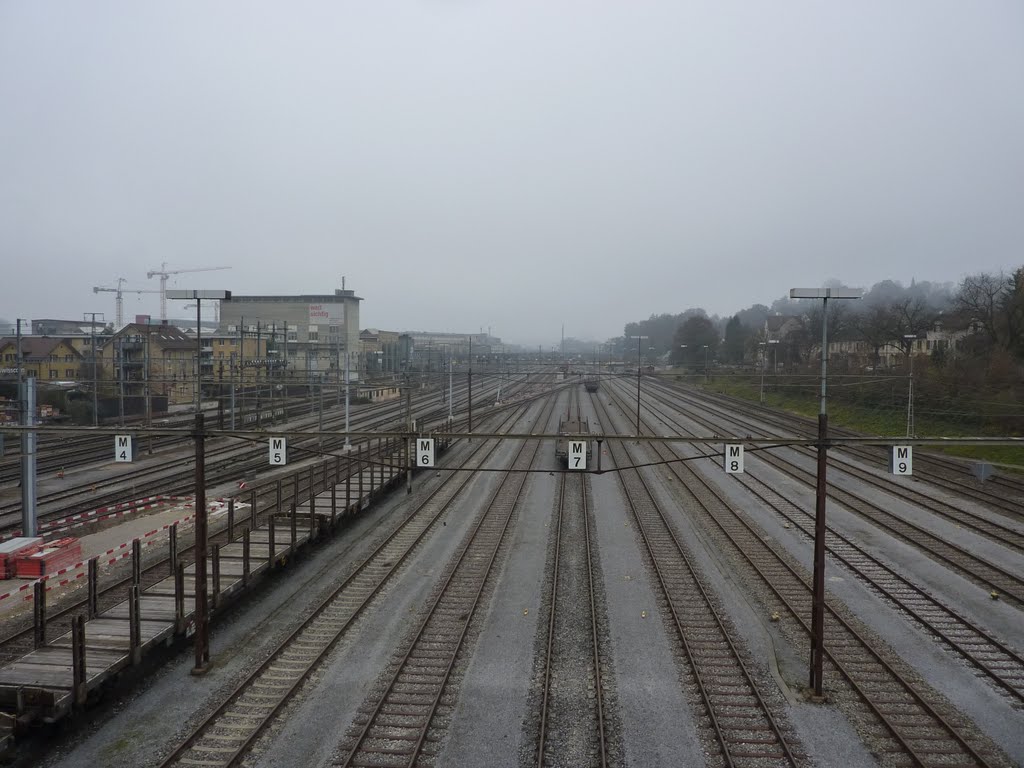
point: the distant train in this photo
(571, 429)
(591, 384)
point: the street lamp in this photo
(910, 338)
(638, 340)
(764, 360)
(818, 607)
(707, 374)
(202, 612)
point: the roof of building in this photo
(36, 347)
(307, 298)
(776, 322)
(163, 336)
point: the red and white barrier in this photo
(119, 553)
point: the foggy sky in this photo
(512, 165)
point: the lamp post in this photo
(638, 340)
(202, 614)
(910, 338)
(681, 346)
(764, 360)
(707, 373)
(818, 603)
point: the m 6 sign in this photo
(424, 451)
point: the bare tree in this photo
(876, 328)
(980, 300)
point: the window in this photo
(69, 372)
(314, 335)
(293, 336)
(53, 373)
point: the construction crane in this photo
(120, 290)
(164, 274)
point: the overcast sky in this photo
(506, 164)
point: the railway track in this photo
(907, 723)
(564, 737)
(394, 723)
(995, 578)
(1003, 491)
(995, 659)
(224, 737)
(270, 498)
(225, 462)
(745, 730)
(983, 525)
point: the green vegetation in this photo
(867, 412)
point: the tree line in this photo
(986, 309)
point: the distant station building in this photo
(428, 346)
(311, 333)
(384, 352)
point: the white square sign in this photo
(733, 459)
(901, 461)
(123, 448)
(278, 451)
(424, 452)
(577, 454)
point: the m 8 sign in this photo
(733, 459)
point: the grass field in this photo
(883, 422)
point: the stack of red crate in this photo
(11, 549)
(48, 558)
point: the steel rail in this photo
(990, 575)
(991, 529)
(451, 488)
(550, 645)
(511, 484)
(727, 741)
(837, 621)
(1009, 675)
(922, 465)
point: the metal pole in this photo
(469, 379)
(232, 364)
(149, 393)
(95, 374)
(764, 357)
(408, 426)
(910, 395)
(449, 387)
(17, 357)
(818, 608)
(638, 386)
(202, 644)
(199, 354)
(120, 380)
(348, 443)
(320, 415)
(28, 456)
